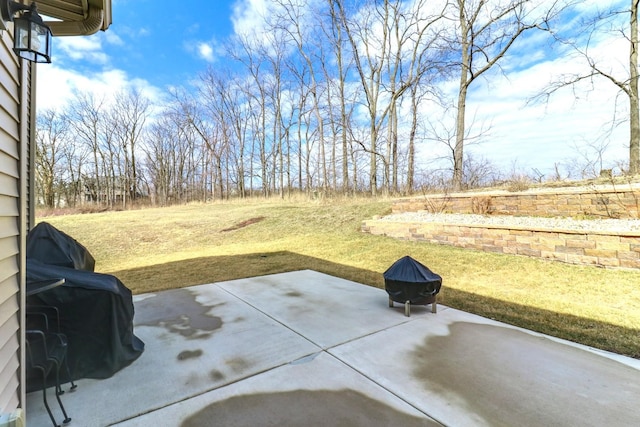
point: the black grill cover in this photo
(49, 245)
(96, 314)
(409, 280)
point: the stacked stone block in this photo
(601, 249)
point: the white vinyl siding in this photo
(10, 220)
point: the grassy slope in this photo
(155, 249)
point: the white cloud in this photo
(249, 16)
(205, 51)
(208, 51)
(82, 49)
(113, 38)
(56, 86)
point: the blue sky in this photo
(156, 44)
(155, 40)
(162, 44)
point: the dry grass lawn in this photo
(162, 248)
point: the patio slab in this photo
(325, 310)
(316, 391)
(465, 370)
(278, 349)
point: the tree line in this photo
(323, 96)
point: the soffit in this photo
(76, 17)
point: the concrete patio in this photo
(305, 348)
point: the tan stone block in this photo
(542, 246)
(601, 253)
(554, 255)
(612, 246)
(601, 238)
(627, 255)
(492, 248)
(524, 239)
(492, 233)
(630, 263)
(552, 242)
(508, 237)
(631, 240)
(464, 240)
(500, 243)
(484, 241)
(476, 233)
(547, 235)
(575, 208)
(581, 259)
(609, 262)
(569, 251)
(573, 243)
(528, 252)
(424, 231)
(575, 236)
(521, 232)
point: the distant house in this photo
(17, 146)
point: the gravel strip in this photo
(601, 225)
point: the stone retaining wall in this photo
(622, 201)
(593, 248)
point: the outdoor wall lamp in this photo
(31, 37)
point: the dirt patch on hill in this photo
(243, 224)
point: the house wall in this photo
(14, 125)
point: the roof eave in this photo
(76, 18)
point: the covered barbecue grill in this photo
(409, 282)
(96, 310)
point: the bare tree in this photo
(51, 131)
(606, 21)
(128, 115)
(387, 40)
(485, 31)
(337, 85)
(85, 115)
(294, 21)
(244, 51)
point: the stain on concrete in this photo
(189, 354)
(304, 408)
(216, 375)
(238, 364)
(506, 377)
(294, 294)
(179, 312)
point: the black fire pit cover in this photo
(409, 280)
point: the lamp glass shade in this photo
(32, 40)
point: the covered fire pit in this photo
(409, 282)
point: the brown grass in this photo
(163, 248)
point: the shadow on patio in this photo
(309, 348)
(196, 271)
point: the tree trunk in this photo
(634, 113)
(458, 151)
